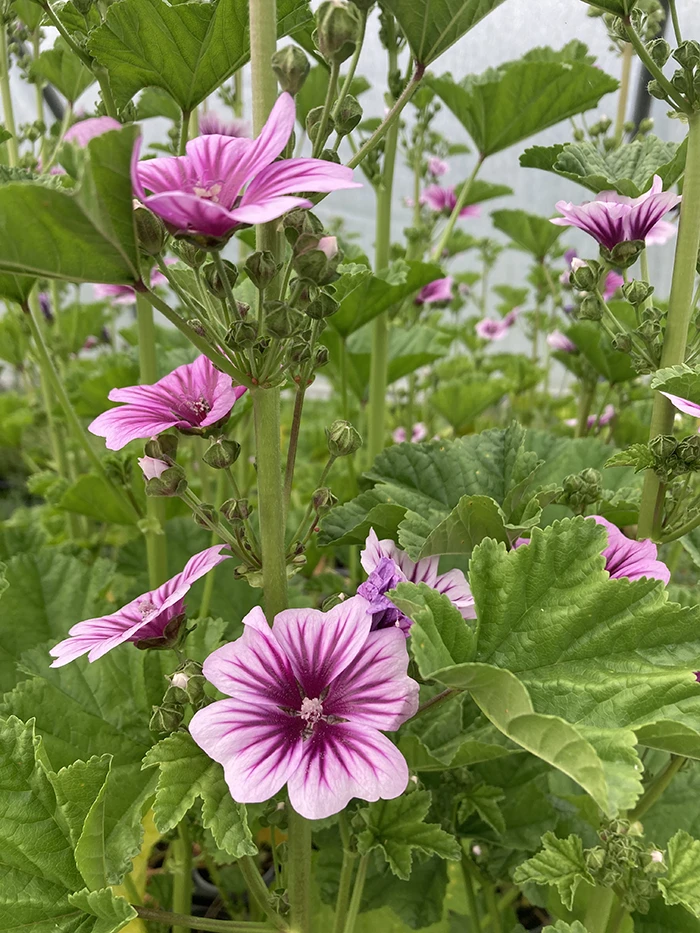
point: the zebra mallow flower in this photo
(612, 218)
(386, 565)
(190, 398)
(225, 182)
(307, 702)
(152, 620)
(683, 404)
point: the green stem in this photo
(437, 700)
(343, 362)
(106, 91)
(184, 133)
(298, 870)
(223, 275)
(294, 441)
(472, 903)
(657, 787)
(674, 20)
(624, 92)
(352, 67)
(166, 918)
(7, 108)
(680, 309)
(617, 918)
(492, 907)
(379, 365)
(258, 891)
(357, 891)
(156, 545)
(39, 92)
(182, 874)
(654, 70)
(599, 906)
(210, 578)
(461, 201)
(65, 124)
(390, 118)
(585, 403)
(331, 91)
(344, 889)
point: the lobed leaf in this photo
(560, 863)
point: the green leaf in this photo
(91, 495)
(155, 102)
(459, 755)
(15, 417)
(61, 67)
(472, 519)
(432, 26)
(47, 593)
(397, 827)
(682, 380)
(629, 169)
(637, 455)
(112, 912)
(681, 883)
(533, 234)
(576, 927)
(16, 287)
(188, 49)
(439, 634)
(506, 105)
(483, 800)
(186, 773)
(480, 191)
(663, 919)
(560, 863)
(363, 296)
(461, 401)
(83, 236)
(595, 345)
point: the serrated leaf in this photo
(681, 883)
(472, 519)
(590, 339)
(682, 380)
(187, 49)
(560, 863)
(576, 927)
(533, 234)
(186, 773)
(439, 634)
(432, 26)
(461, 401)
(83, 236)
(628, 169)
(61, 67)
(396, 827)
(637, 455)
(483, 799)
(112, 912)
(506, 105)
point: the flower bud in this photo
(659, 49)
(150, 231)
(323, 500)
(321, 307)
(198, 327)
(291, 67)
(261, 267)
(166, 719)
(646, 125)
(343, 439)
(236, 510)
(689, 449)
(622, 342)
(152, 467)
(330, 602)
(316, 258)
(314, 119)
(300, 351)
(207, 516)
(688, 54)
(187, 684)
(585, 275)
(299, 221)
(241, 335)
(649, 329)
(663, 446)
(624, 254)
(162, 447)
(222, 453)
(636, 291)
(213, 280)
(321, 356)
(655, 90)
(348, 116)
(591, 478)
(338, 29)
(281, 320)
(591, 309)
(173, 482)
(191, 255)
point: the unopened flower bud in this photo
(172, 482)
(343, 439)
(348, 116)
(649, 329)
(316, 258)
(688, 54)
(281, 320)
(300, 221)
(321, 307)
(213, 280)
(681, 81)
(206, 516)
(338, 28)
(584, 275)
(689, 449)
(591, 309)
(236, 510)
(655, 90)
(152, 467)
(314, 118)
(261, 267)
(198, 327)
(162, 447)
(222, 453)
(323, 500)
(637, 291)
(186, 685)
(591, 477)
(321, 356)
(166, 719)
(646, 125)
(150, 231)
(622, 342)
(659, 49)
(663, 445)
(241, 335)
(291, 67)
(191, 255)
(300, 351)
(330, 155)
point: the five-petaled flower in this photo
(612, 218)
(489, 329)
(192, 396)
(443, 200)
(225, 182)
(387, 565)
(155, 615)
(307, 699)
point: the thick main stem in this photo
(627, 54)
(598, 912)
(156, 547)
(298, 872)
(182, 875)
(657, 787)
(680, 309)
(344, 890)
(7, 109)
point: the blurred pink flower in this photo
(558, 341)
(613, 281)
(125, 294)
(438, 291)
(419, 433)
(606, 416)
(444, 200)
(82, 132)
(437, 167)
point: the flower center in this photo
(209, 194)
(200, 407)
(146, 606)
(311, 710)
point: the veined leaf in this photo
(112, 913)
(461, 401)
(61, 67)
(681, 883)
(680, 380)
(533, 234)
(596, 347)
(470, 521)
(506, 105)
(560, 863)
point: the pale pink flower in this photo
(558, 341)
(125, 294)
(329, 246)
(82, 132)
(436, 292)
(437, 167)
(606, 416)
(152, 467)
(444, 200)
(613, 281)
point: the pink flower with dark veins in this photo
(444, 200)
(154, 615)
(307, 703)
(683, 404)
(223, 183)
(435, 292)
(211, 124)
(193, 396)
(612, 218)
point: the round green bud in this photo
(222, 453)
(172, 482)
(622, 342)
(637, 291)
(585, 275)
(659, 49)
(281, 320)
(163, 447)
(236, 510)
(624, 254)
(241, 335)
(291, 67)
(338, 29)
(213, 281)
(663, 446)
(262, 267)
(166, 719)
(208, 514)
(321, 356)
(343, 439)
(321, 307)
(191, 255)
(688, 54)
(314, 119)
(591, 309)
(299, 221)
(150, 231)
(323, 500)
(348, 116)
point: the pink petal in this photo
(268, 210)
(453, 584)
(172, 590)
(85, 130)
(189, 213)
(217, 159)
(166, 174)
(120, 426)
(294, 175)
(343, 761)
(632, 559)
(682, 404)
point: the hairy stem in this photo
(182, 876)
(627, 53)
(680, 309)
(293, 442)
(258, 891)
(184, 132)
(657, 787)
(165, 917)
(298, 872)
(674, 20)
(472, 903)
(654, 70)
(331, 91)
(352, 67)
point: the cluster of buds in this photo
(686, 78)
(185, 688)
(672, 457)
(580, 490)
(624, 860)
